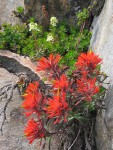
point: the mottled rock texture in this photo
(6, 10)
(18, 64)
(62, 9)
(102, 44)
(13, 68)
(12, 138)
(102, 38)
(98, 5)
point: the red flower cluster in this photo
(57, 108)
(87, 62)
(32, 88)
(59, 100)
(86, 80)
(62, 83)
(34, 130)
(88, 88)
(33, 101)
(48, 64)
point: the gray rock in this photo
(96, 8)
(102, 38)
(12, 138)
(102, 44)
(6, 11)
(19, 65)
(13, 68)
(62, 9)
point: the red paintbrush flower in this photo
(87, 87)
(57, 108)
(33, 101)
(34, 130)
(87, 62)
(62, 83)
(48, 64)
(32, 87)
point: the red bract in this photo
(32, 87)
(33, 101)
(87, 87)
(48, 64)
(62, 83)
(34, 130)
(87, 62)
(57, 108)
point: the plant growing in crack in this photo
(67, 98)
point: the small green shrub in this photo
(12, 37)
(20, 10)
(34, 41)
(82, 16)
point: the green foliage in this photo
(82, 16)
(20, 10)
(34, 41)
(13, 37)
(31, 19)
(73, 116)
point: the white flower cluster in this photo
(53, 21)
(50, 38)
(33, 26)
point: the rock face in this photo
(101, 41)
(102, 44)
(13, 68)
(6, 8)
(12, 138)
(62, 9)
(96, 8)
(18, 64)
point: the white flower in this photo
(50, 38)
(33, 26)
(53, 21)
